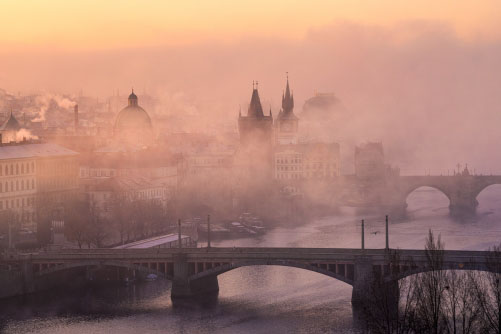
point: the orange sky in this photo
(96, 24)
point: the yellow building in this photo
(28, 170)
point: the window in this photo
(17, 169)
(22, 168)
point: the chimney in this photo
(76, 117)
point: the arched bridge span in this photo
(43, 269)
(341, 272)
(195, 270)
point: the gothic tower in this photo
(286, 125)
(256, 129)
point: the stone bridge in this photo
(392, 192)
(194, 271)
(461, 190)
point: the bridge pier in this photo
(27, 275)
(371, 295)
(464, 205)
(184, 287)
(363, 281)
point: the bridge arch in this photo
(419, 270)
(441, 189)
(348, 279)
(117, 264)
(487, 187)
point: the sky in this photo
(421, 76)
(95, 24)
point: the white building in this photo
(307, 161)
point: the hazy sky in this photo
(422, 76)
(92, 24)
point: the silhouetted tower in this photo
(287, 124)
(256, 129)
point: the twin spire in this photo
(255, 107)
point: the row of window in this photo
(18, 185)
(305, 175)
(56, 167)
(291, 168)
(18, 168)
(286, 161)
(17, 203)
(53, 183)
(315, 166)
(96, 173)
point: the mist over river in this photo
(261, 299)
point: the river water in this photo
(261, 299)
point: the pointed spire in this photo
(255, 108)
(287, 99)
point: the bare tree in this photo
(488, 292)
(76, 220)
(98, 228)
(430, 286)
(121, 210)
(460, 307)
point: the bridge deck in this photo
(236, 253)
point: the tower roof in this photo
(287, 99)
(132, 99)
(255, 108)
(10, 124)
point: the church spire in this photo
(287, 99)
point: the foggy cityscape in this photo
(250, 167)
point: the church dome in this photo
(132, 117)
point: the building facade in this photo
(307, 161)
(30, 171)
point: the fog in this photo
(431, 97)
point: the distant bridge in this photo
(392, 192)
(194, 270)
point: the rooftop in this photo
(20, 151)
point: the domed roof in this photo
(133, 117)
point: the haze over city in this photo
(209, 134)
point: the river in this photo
(261, 299)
